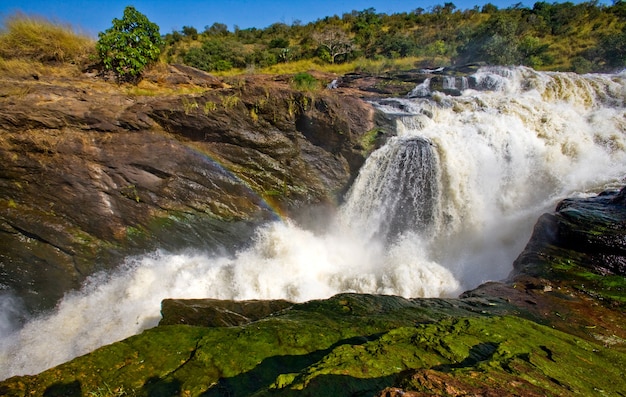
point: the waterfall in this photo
(449, 82)
(396, 192)
(513, 144)
(421, 90)
(444, 205)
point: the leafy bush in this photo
(216, 54)
(131, 44)
(305, 82)
(37, 39)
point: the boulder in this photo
(218, 313)
(588, 231)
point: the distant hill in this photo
(581, 37)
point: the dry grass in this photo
(359, 65)
(148, 88)
(39, 40)
(26, 68)
(306, 65)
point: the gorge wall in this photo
(92, 172)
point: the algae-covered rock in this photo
(581, 245)
(249, 358)
(344, 346)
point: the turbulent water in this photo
(446, 204)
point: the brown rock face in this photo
(218, 313)
(91, 173)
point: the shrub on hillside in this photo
(305, 82)
(131, 44)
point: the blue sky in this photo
(91, 16)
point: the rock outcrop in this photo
(583, 244)
(92, 172)
(218, 313)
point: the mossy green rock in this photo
(582, 246)
(347, 345)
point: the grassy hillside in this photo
(33, 45)
(550, 36)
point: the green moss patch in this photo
(347, 345)
(570, 269)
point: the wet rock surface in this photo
(93, 172)
(218, 313)
(583, 242)
(417, 83)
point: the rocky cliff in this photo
(92, 171)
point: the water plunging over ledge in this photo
(397, 192)
(445, 205)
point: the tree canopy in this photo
(131, 44)
(580, 37)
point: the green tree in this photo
(495, 42)
(216, 54)
(394, 45)
(131, 44)
(217, 29)
(611, 51)
(190, 31)
(333, 42)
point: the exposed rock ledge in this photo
(556, 328)
(92, 172)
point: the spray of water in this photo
(442, 207)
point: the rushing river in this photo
(446, 204)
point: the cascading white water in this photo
(421, 90)
(449, 83)
(509, 153)
(445, 205)
(397, 192)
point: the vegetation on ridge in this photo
(558, 36)
(131, 44)
(580, 37)
(35, 38)
(28, 44)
